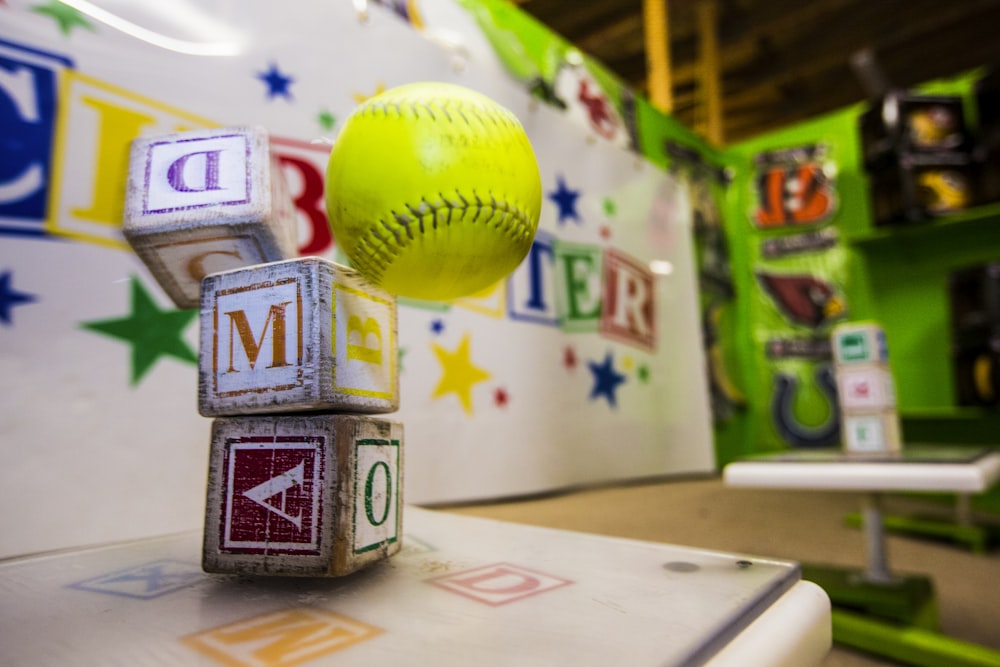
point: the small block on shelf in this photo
(303, 495)
(859, 342)
(872, 433)
(206, 201)
(865, 387)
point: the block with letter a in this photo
(303, 495)
(299, 335)
(206, 201)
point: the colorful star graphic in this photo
(569, 358)
(10, 297)
(151, 332)
(361, 98)
(459, 373)
(606, 379)
(610, 208)
(277, 83)
(326, 119)
(66, 16)
(565, 199)
(643, 373)
(500, 397)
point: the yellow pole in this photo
(656, 19)
(710, 86)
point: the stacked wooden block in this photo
(296, 355)
(866, 391)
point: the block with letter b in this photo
(303, 495)
(205, 201)
(299, 335)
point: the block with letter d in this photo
(303, 495)
(206, 201)
(299, 335)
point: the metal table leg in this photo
(877, 568)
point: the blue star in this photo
(437, 327)
(277, 83)
(565, 199)
(10, 297)
(606, 379)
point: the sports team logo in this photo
(794, 187)
(272, 495)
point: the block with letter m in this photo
(298, 335)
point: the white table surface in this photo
(919, 468)
(463, 591)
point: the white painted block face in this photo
(206, 201)
(872, 433)
(303, 334)
(865, 387)
(303, 495)
(859, 343)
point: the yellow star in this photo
(459, 373)
(360, 98)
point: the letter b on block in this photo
(206, 201)
(303, 334)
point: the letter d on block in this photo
(204, 202)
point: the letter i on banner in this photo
(97, 122)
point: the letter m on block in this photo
(258, 337)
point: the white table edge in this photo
(802, 613)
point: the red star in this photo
(500, 397)
(605, 232)
(569, 358)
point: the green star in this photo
(400, 353)
(643, 373)
(326, 120)
(151, 332)
(609, 206)
(66, 16)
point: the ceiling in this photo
(782, 61)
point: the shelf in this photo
(957, 413)
(973, 220)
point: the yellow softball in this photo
(433, 191)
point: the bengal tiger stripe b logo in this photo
(793, 195)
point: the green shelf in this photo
(973, 221)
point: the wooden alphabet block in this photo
(859, 342)
(303, 495)
(206, 201)
(299, 335)
(873, 433)
(865, 387)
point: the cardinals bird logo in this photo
(804, 299)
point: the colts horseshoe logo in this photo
(789, 427)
